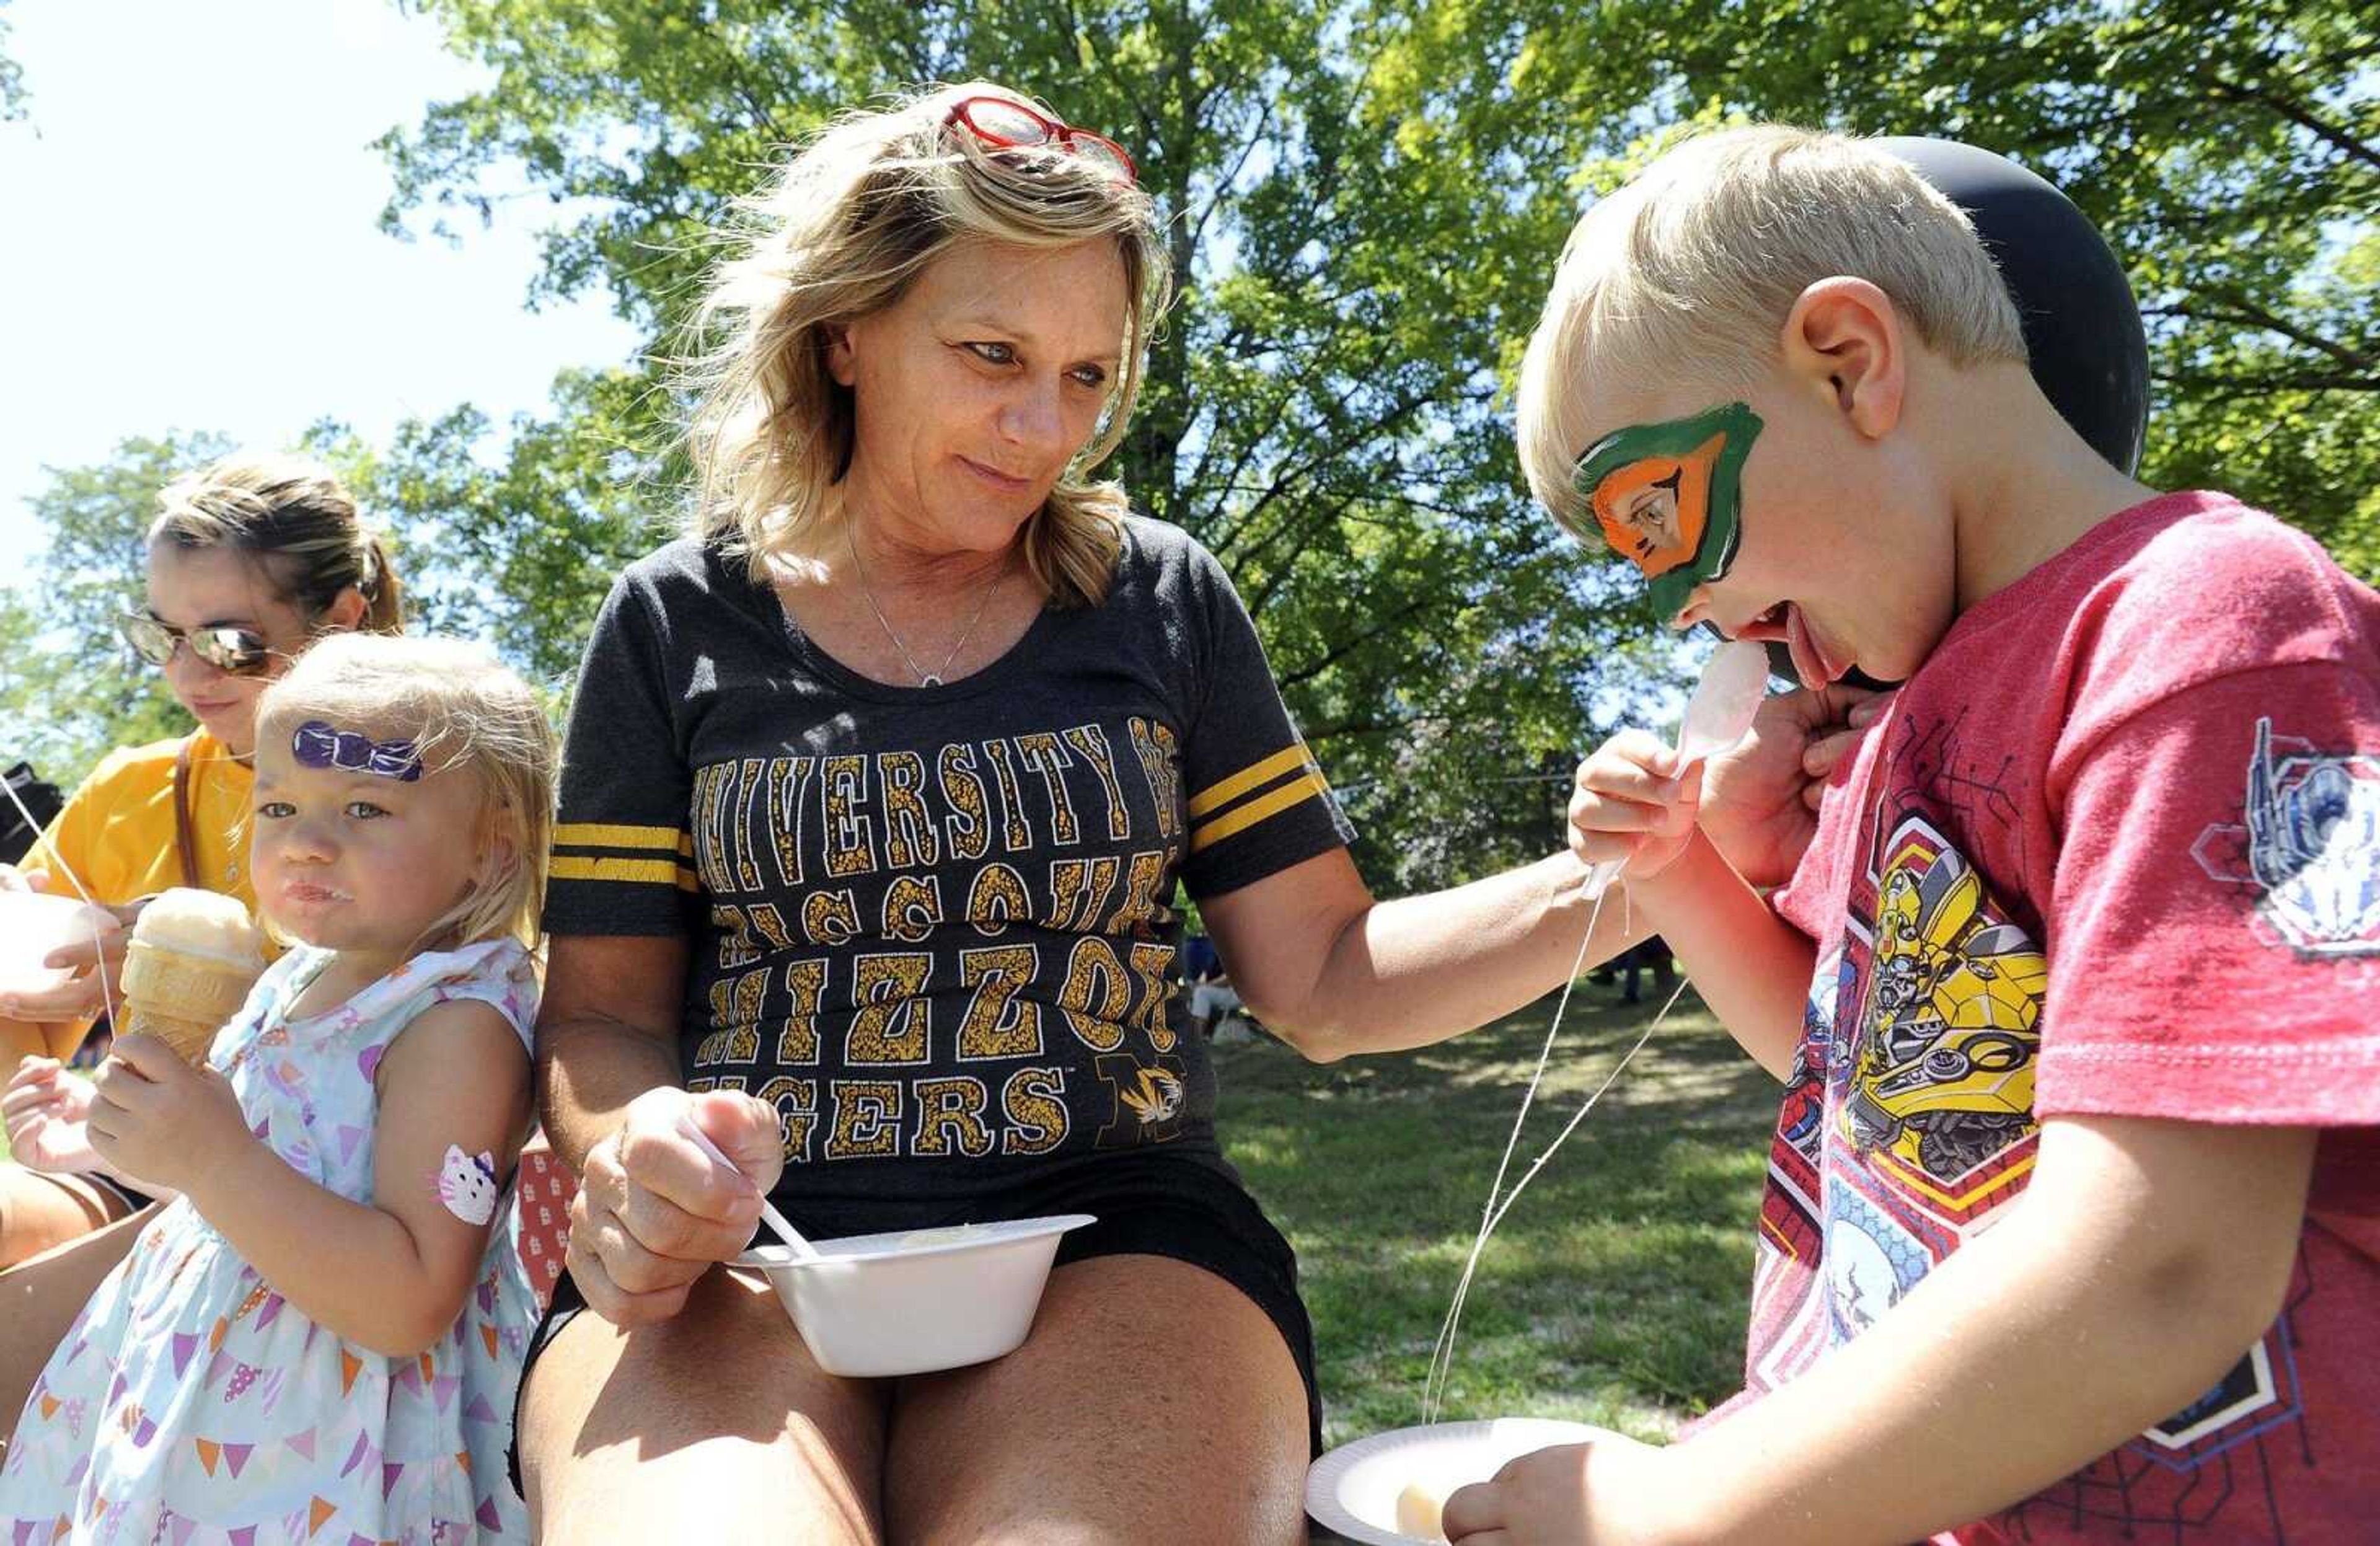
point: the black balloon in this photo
(2081, 326)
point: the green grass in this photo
(1614, 1293)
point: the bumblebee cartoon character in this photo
(1945, 1068)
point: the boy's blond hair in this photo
(843, 232)
(462, 711)
(1690, 269)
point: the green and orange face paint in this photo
(1667, 497)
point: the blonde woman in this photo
(877, 787)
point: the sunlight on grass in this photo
(1615, 1292)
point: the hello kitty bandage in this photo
(466, 1185)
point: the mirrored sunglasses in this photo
(239, 651)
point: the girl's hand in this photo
(1632, 805)
(80, 997)
(654, 1213)
(44, 1110)
(1761, 800)
(156, 1117)
(1613, 1491)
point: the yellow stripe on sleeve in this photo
(641, 871)
(1309, 786)
(596, 834)
(1227, 790)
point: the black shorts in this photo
(106, 1190)
(1165, 1206)
(133, 1200)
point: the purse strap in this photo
(183, 839)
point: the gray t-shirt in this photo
(934, 926)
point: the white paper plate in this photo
(1353, 1489)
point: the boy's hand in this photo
(1760, 799)
(1613, 1491)
(156, 1118)
(44, 1110)
(1630, 805)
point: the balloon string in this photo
(1441, 1357)
(1441, 1368)
(106, 989)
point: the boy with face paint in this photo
(2068, 1230)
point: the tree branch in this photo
(2339, 139)
(2258, 386)
(2247, 313)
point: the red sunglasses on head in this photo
(1011, 125)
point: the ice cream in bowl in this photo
(873, 1306)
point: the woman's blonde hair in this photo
(851, 223)
(297, 521)
(463, 711)
(1692, 268)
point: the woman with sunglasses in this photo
(877, 791)
(248, 561)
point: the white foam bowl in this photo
(34, 923)
(1353, 1489)
(874, 1305)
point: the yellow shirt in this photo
(117, 831)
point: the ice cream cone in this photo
(180, 998)
(193, 959)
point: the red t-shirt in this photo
(2116, 852)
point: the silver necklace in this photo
(925, 678)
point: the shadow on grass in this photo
(1614, 1293)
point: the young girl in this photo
(318, 1339)
(250, 560)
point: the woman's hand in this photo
(654, 1213)
(154, 1117)
(44, 1110)
(81, 996)
(1633, 806)
(1613, 1491)
(1760, 800)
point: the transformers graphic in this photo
(2313, 844)
(1947, 1036)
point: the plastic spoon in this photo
(775, 1221)
(1717, 716)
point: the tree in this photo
(70, 688)
(2229, 153)
(1365, 200)
(1322, 409)
(12, 78)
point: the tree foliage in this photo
(1321, 409)
(1364, 198)
(12, 77)
(2229, 153)
(69, 687)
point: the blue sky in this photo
(187, 238)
